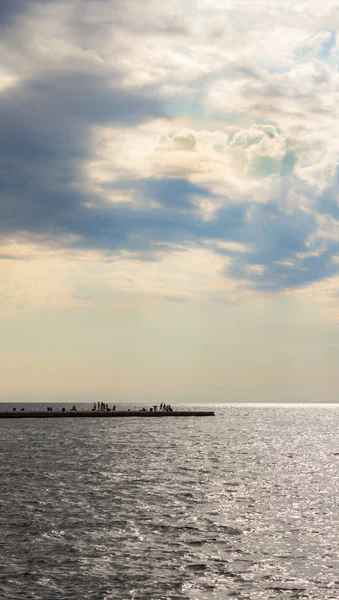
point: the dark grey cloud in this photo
(45, 135)
(281, 275)
(176, 193)
(279, 243)
(9, 9)
(277, 233)
(92, 98)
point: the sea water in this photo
(243, 505)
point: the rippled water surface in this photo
(243, 505)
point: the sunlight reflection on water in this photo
(243, 505)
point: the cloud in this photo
(92, 161)
(9, 9)
(45, 134)
(278, 238)
(172, 193)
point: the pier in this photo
(98, 414)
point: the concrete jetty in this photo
(78, 414)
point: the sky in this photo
(169, 217)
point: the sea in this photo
(243, 505)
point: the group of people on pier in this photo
(102, 406)
(163, 407)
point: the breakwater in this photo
(76, 414)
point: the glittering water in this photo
(243, 505)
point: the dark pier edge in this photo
(76, 414)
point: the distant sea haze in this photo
(241, 505)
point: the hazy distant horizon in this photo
(152, 401)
